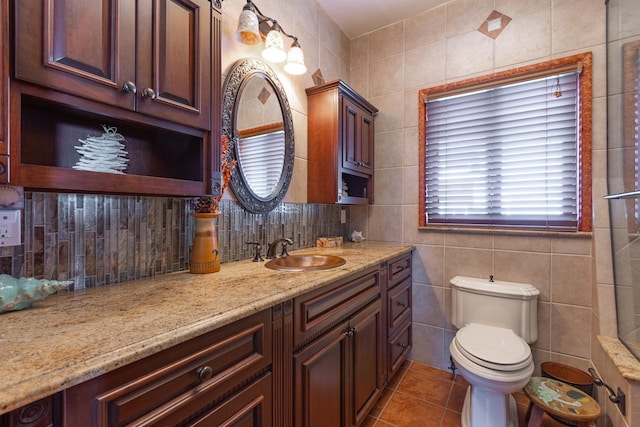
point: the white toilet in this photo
(496, 321)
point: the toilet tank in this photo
(498, 303)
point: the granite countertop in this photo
(72, 337)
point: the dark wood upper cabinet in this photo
(340, 145)
(149, 68)
(153, 57)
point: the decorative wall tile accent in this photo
(494, 24)
(99, 240)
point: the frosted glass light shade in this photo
(295, 60)
(274, 46)
(248, 31)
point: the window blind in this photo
(505, 155)
(261, 158)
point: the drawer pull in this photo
(402, 345)
(402, 304)
(204, 373)
(351, 332)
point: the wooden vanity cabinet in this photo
(339, 369)
(340, 145)
(150, 69)
(222, 376)
(398, 312)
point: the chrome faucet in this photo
(271, 250)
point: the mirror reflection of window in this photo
(261, 157)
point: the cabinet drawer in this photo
(176, 382)
(398, 348)
(319, 310)
(399, 268)
(399, 304)
(249, 407)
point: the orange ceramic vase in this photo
(205, 256)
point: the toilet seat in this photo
(493, 347)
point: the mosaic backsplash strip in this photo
(102, 239)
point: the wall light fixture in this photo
(254, 27)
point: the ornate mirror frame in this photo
(237, 77)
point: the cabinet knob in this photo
(402, 345)
(204, 373)
(129, 87)
(149, 93)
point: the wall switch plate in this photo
(10, 228)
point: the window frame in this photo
(581, 62)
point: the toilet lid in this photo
(493, 347)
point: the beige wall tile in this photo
(411, 185)
(544, 327)
(411, 101)
(387, 41)
(571, 280)
(330, 64)
(467, 262)
(571, 245)
(411, 146)
(525, 38)
(469, 240)
(577, 24)
(423, 66)
(468, 54)
(428, 265)
(307, 16)
(360, 80)
(330, 33)
(416, 236)
(524, 267)
(425, 28)
(428, 345)
(360, 51)
(522, 243)
(571, 330)
(606, 311)
(389, 149)
(384, 224)
(388, 187)
(464, 16)
(431, 301)
(391, 114)
(385, 76)
(514, 9)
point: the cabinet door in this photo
(367, 365)
(357, 138)
(82, 47)
(319, 371)
(174, 60)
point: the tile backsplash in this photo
(104, 239)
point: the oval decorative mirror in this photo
(256, 116)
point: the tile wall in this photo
(100, 240)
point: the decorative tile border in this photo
(103, 239)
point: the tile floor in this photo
(423, 396)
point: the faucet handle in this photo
(257, 257)
(284, 252)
